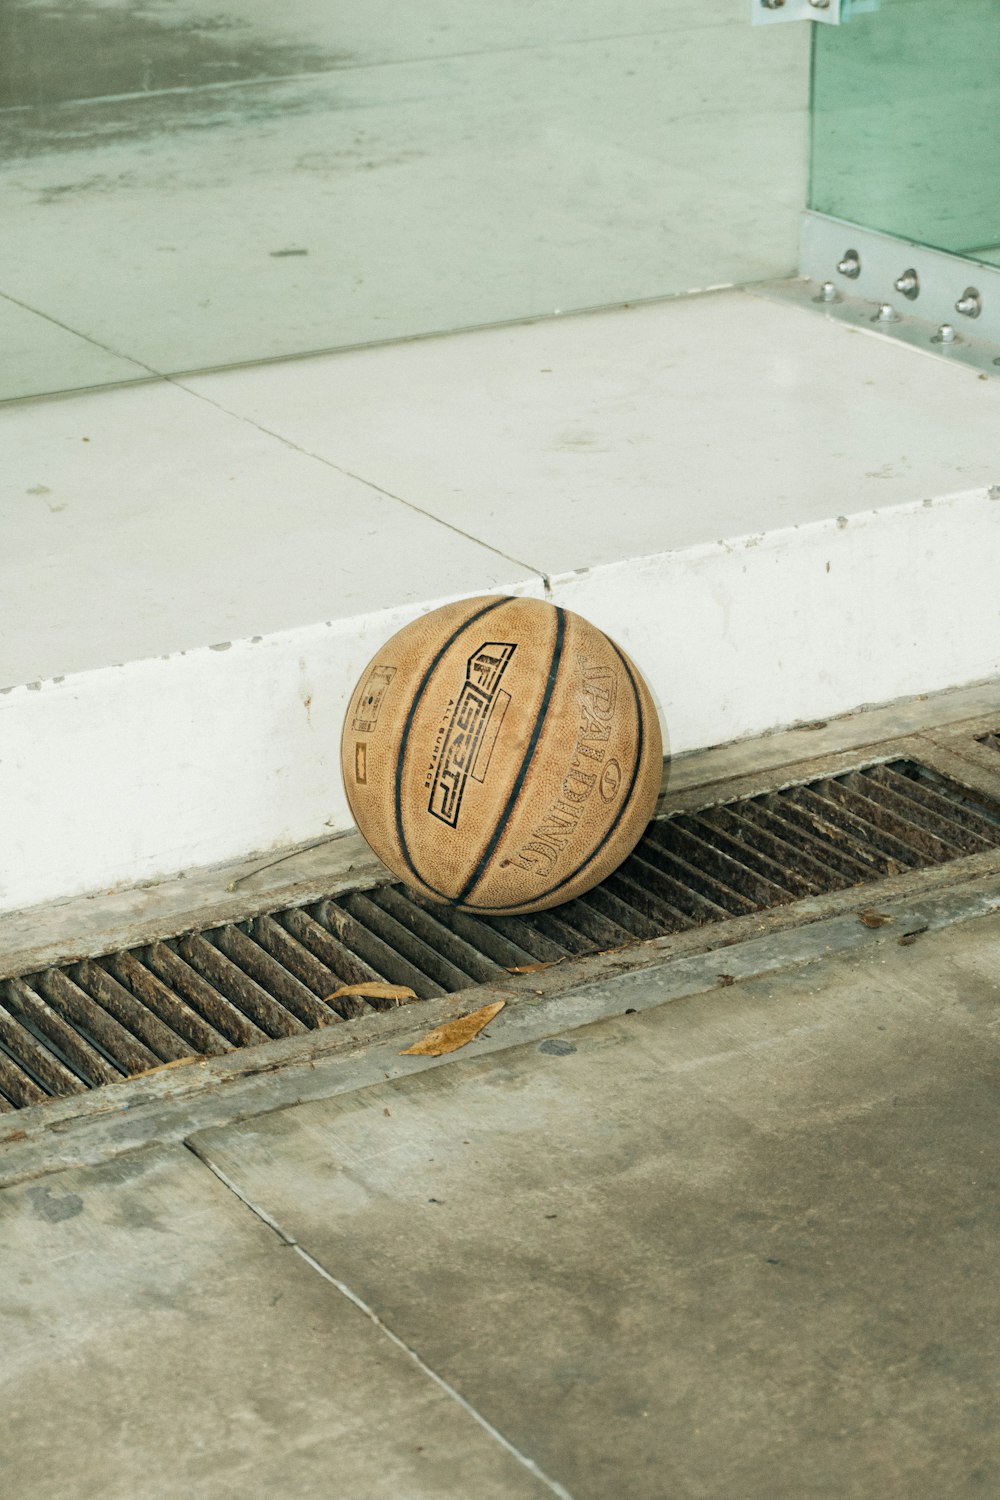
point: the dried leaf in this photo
(374, 990)
(909, 938)
(874, 918)
(454, 1034)
(178, 1062)
(726, 978)
(530, 968)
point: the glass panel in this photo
(186, 186)
(906, 122)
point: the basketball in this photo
(501, 755)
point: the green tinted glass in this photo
(195, 183)
(906, 122)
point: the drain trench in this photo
(68, 1029)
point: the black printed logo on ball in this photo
(472, 730)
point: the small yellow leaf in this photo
(454, 1034)
(178, 1062)
(530, 968)
(374, 989)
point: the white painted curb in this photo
(127, 774)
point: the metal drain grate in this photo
(991, 738)
(74, 1028)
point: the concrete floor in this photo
(737, 1247)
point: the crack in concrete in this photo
(449, 1390)
(86, 337)
(369, 483)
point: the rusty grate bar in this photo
(66, 1030)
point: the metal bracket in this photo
(944, 304)
(777, 12)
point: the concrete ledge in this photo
(126, 774)
(759, 632)
(133, 772)
(781, 522)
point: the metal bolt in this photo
(850, 265)
(828, 293)
(772, 4)
(886, 313)
(820, 4)
(970, 303)
(908, 284)
(945, 335)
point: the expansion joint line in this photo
(449, 1390)
(379, 489)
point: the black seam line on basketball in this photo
(526, 759)
(404, 738)
(513, 911)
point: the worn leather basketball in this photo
(501, 755)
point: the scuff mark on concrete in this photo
(48, 1206)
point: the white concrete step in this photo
(779, 518)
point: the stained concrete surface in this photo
(740, 1247)
(737, 1247)
(158, 1341)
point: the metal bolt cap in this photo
(970, 304)
(886, 314)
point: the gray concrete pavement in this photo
(741, 1246)
(159, 1343)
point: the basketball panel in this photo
(608, 853)
(589, 784)
(377, 717)
(471, 731)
